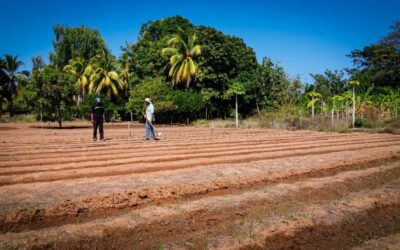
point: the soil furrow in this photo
(85, 156)
(134, 157)
(280, 216)
(105, 205)
(183, 163)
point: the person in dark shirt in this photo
(97, 118)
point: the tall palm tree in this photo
(12, 76)
(103, 78)
(181, 51)
(37, 63)
(124, 77)
(81, 71)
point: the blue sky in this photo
(303, 36)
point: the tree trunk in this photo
(312, 111)
(206, 113)
(258, 108)
(237, 112)
(354, 108)
(10, 108)
(333, 112)
(58, 118)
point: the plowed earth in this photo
(198, 188)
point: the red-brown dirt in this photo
(198, 188)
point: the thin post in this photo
(237, 112)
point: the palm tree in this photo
(124, 77)
(315, 97)
(104, 79)
(181, 51)
(37, 63)
(353, 84)
(12, 76)
(81, 71)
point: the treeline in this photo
(192, 72)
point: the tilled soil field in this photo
(198, 188)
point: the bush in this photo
(359, 122)
(201, 122)
(393, 126)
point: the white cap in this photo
(147, 100)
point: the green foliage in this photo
(329, 84)
(361, 123)
(104, 79)
(52, 94)
(188, 104)
(222, 59)
(74, 42)
(273, 88)
(80, 70)
(10, 77)
(379, 63)
(181, 50)
(155, 89)
(235, 88)
(217, 66)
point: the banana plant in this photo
(315, 97)
(336, 102)
(354, 84)
(347, 96)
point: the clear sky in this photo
(303, 36)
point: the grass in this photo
(288, 121)
(18, 119)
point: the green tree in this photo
(144, 57)
(104, 78)
(37, 64)
(330, 83)
(222, 59)
(314, 98)
(188, 104)
(12, 75)
(236, 88)
(3, 87)
(336, 101)
(181, 51)
(81, 71)
(208, 94)
(53, 94)
(74, 42)
(353, 84)
(379, 63)
(125, 77)
(159, 93)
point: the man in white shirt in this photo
(150, 118)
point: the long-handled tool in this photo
(157, 134)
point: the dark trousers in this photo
(98, 123)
